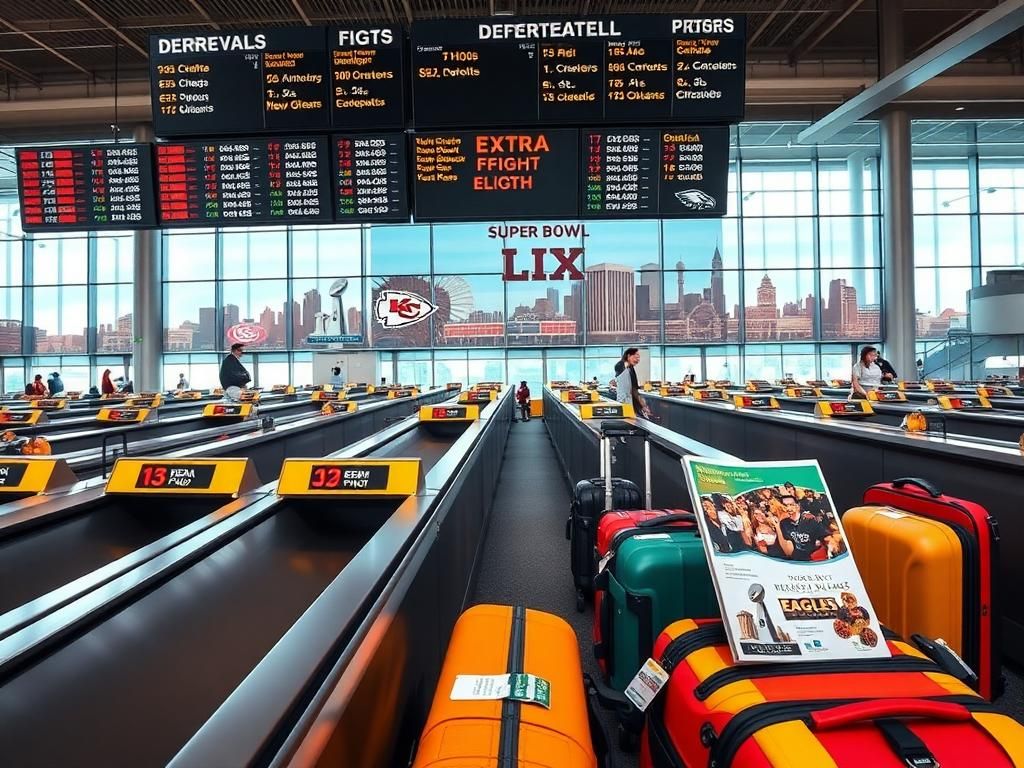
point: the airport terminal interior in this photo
(499, 383)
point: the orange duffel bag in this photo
(487, 733)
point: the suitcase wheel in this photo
(581, 601)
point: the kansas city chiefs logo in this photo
(396, 309)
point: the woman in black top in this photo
(719, 538)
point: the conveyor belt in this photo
(35, 562)
(130, 690)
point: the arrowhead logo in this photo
(397, 309)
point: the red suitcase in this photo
(859, 713)
(978, 532)
(614, 528)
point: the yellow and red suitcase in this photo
(929, 562)
(498, 639)
(856, 713)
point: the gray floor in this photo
(526, 556)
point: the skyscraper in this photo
(766, 293)
(717, 283)
(311, 305)
(553, 300)
(207, 331)
(231, 315)
(611, 301)
(650, 276)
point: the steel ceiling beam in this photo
(123, 37)
(302, 14)
(946, 31)
(975, 36)
(22, 74)
(202, 12)
(766, 23)
(699, 7)
(805, 43)
(15, 28)
(793, 16)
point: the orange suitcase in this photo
(499, 639)
(912, 569)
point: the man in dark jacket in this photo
(54, 384)
(232, 372)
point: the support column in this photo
(147, 301)
(858, 256)
(897, 205)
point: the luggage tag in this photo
(647, 684)
(603, 562)
(526, 688)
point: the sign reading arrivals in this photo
(277, 79)
(611, 69)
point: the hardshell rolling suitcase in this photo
(652, 573)
(593, 498)
(495, 640)
(929, 563)
(879, 713)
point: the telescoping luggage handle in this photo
(925, 485)
(623, 429)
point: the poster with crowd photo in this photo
(786, 581)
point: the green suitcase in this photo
(652, 576)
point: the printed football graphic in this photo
(397, 309)
(695, 199)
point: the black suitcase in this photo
(592, 498)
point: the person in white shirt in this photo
(182, 382)
(867, 376)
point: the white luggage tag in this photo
(647, 684)
(519, 687)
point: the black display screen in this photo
(651, 172)
(367, 77)
(465, 176)
(99, 186)
(244, 181)
(522, 71)
(370, 177)
(277, 79)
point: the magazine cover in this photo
(787, 584)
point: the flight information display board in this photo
(101, 186)
(247, 182)
(651, 172)
(370, 177)
(276, 79)
(367, 78)
(615, 69)
(468, 176)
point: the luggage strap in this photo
(823, 715)
(508, 739)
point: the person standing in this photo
(336, 380)
(627, 388)
(867, 375)
(182, 382)
(232, 372)
(523, 398)
(106, 384)
(889, 374)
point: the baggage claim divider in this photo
(58, 552)
(412, 512)
(574, 429)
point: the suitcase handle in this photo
(678, 517)
(618, 428)
(850, 714)
(928, 487)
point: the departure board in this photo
(596, 69)
(100, 186)
(277, 79)
(651, 172)
(465, 176)
(370, 177)
(247, 182)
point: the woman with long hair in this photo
(867, 375)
